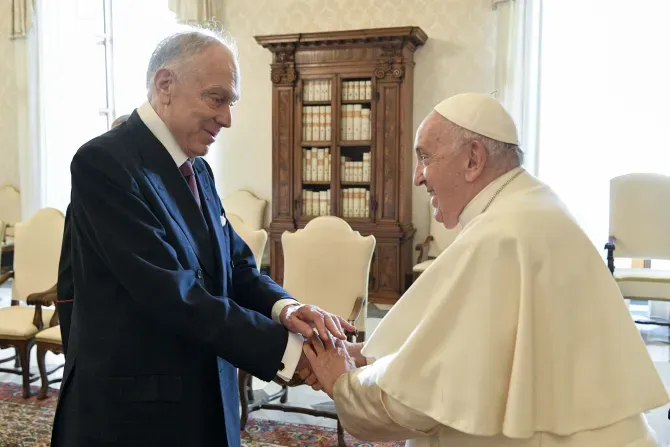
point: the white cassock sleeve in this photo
(369, 414)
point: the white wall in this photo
(9, 100)
(458, 57)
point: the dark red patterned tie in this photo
(187, 171)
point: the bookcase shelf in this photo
(348, 143)
(352, 91)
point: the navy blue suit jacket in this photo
(168, 302)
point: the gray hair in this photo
(177, 50)
(498, 151)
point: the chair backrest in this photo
(442, 237)
(255, 239)
(37, 247)
(10, 205)
(328, 264)
(640, 216)
(247, 206)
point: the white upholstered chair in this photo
(37, 246)
(326, 264)
(247, 206)
(255, 239)
(639, 228)
(438, 239)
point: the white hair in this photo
(177, 50)
(499, 152)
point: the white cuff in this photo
(291, 356)
(279, 306)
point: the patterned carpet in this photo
(27, 423)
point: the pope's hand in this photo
(304, 318)
(329, 361)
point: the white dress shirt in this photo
(162, 133)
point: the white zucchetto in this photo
(481, 114)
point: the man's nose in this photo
(224, 118)
(418, 176)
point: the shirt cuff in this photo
(291, 356)
(279, 306)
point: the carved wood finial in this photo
(390, 62)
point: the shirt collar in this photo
(476, 205)
(160, 130)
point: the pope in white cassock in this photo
(516, 335)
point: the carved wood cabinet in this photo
(342, 141)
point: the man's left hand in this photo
(304, 318)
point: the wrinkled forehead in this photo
(433, 133)
(217, 67)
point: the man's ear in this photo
(164, 80)
(477, 157)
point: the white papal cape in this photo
(516, 335)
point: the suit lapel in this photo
(173, 190)
(212, 213)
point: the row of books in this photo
(316, 90)
(316, 165)
(355, 123)
(355, 203)
(357, 90)
(355, 171)
(316, 123)
(315, 203)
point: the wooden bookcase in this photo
(302, 64)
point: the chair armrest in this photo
(610, 246)
(5, 277)
(422, 248)
(39, 299)
(46, 298)
(356, 311)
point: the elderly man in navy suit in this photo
(168, 301)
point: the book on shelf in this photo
(357, 90)
(316, 122)
(355, 171)
(315, 203)
(317, 90)
(356, 125)
(355, 203)
(316, 165)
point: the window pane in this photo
(99, 17)
(102, 125)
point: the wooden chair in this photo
(438, 239)
(326, 264)
(255, 239)
(10, 214)
(639, 219)
(48, 339)
(37, 253)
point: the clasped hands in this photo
(326, 355)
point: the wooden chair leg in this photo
(284, 397)
(340, 435)
(17, 362)
(41, 364)
(244, 398)
(23, 351)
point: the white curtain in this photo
(192, 11)
(604, 102)
(518, 69)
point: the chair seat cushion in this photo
(422, 266)
(51, 335)
(644, 283)
(16, 322)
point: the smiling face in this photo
(448, 168)
(195, 99)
